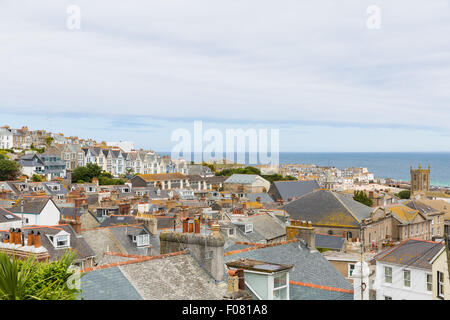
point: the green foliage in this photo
(277, 177)
(361, 196)
(38, 150)
(36, 178)
(48, 140)
(404, 194)
(30, 280)
(246, 170)
(209, 165)
(90, 171)
(9, 170)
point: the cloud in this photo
(230, 62)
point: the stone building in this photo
(420, 180)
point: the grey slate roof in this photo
(329, 241)
(173, 278)
(412, 253)
(31, 205)
(7, 216)
(82, 249)
(328, 208)
(265, 198)
(286, 190)
(242, 178)
(107, 284)
(309, 267)
(118, 219)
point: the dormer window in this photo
(142, 240)
(248, 227)
(60, 240)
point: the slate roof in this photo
(107, 284)
(309, 267)
(117, 219)
(265, 198)
(71, 211)
(412, 253)
(173, 278)
(287, 190)
(31, 205)
(78, 243)
(243, 178)
(327, 208)
(7, 216)
(327, 241)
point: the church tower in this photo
(420, 180)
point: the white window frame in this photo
(440, 284)
(428, 283)
(350, 270)
(385, 275)
(405, 280)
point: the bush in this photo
(361, 196)
(36, 178)
(404, 194)
(9, 170)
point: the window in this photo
(351, 268)
(208, 255)
(432, 231)
(432, 221)
(280, 286)
(62, 241)
(407, 278)
(387, 274)
(143, 240)
(429, 282)
(230, 232)
(248, 228)
(440, 284)
(439, 219)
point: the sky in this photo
(138, 70)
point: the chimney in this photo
(185, 225)
(30, 238)
(37, 240)
(215, 230)
(196, 225)
(301, 230)
(12, 235)
(6, 239)
(191, 227)
(18, 237)
(240, 274)
(233, 282)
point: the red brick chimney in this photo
(30, 238)
(37, 240)
(18, 237)
(185, 225)
(197, 225)
(12, 235)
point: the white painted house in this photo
(39, 210)
(404, 271)
(6, 138)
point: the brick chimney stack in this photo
(30, 238)
(37, 240)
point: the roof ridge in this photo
(260, 246)
(345, 206)
(316, 286)
(137, 260)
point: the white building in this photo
(6, 138)
(126, 146)
(39, 210)
(404, 272)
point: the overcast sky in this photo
(137, 70)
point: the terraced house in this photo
(329, 212)
(390, 224)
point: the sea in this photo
(394, 165)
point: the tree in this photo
(48, 140)
(31, 280)
(36, 178)
(404, 194)
(9, 170)
(362, 197)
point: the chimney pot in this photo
(37, 240)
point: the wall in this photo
(397, 290)
(440, 264)
(49, 216)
